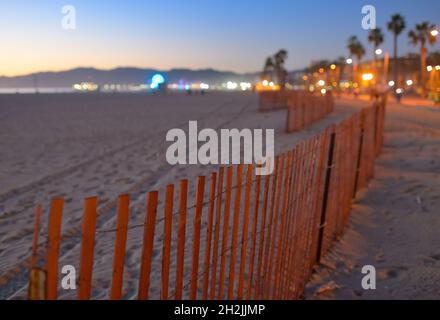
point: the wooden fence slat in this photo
(275, 226)
(254, 238)
(225, 232)
(120, 244)
(181, 238)
(209, 235)
(87, 248)
(147, 250)
(53, 248)
(269, 231)
(244, 235)
(231, 280)
(288, 247)
(196, 238)
(216, 233)
(36, 236)
(260, 266)
(166, 249)
(283, 226)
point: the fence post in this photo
(181, 238)
(225, 231)
(216, 233)
(196, 238)
(147, 250)
(209, 235)
(244, 235)
(53, 248)
(87, 248)
(234, 239)
(325, 195)
(359, 158)
(37, 277)
(120, 244)
(166, 249)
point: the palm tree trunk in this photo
(423, 70)
(396, 64)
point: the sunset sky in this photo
(222, 34)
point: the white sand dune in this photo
(75, 146)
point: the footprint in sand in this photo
(391, 273)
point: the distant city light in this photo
(378, 52)
(333, 67)
(391, 83)
(85, 86)
(321, 83)
(349, 61)
(429, 68)
(245, 86)
(321, 70)
(231, 85)
(367, 76)
(323, 91)
(305, 78)
(409, 82)
(204, 86)
(434, 33)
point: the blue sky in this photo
(224, 34)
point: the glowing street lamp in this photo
(378, 52)
(434, 33)
(349, 61)
(429, 68)
(437, 67)
(321, 83)
(391, 83)
(367, 76)
(333, 67)
(409, 82)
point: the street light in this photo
(409, 82)
(333, 67)
(367, 76)
(434, 33)
(429, 68)
(378, 52)
(437, 67)
(391, 83)
(349, 61)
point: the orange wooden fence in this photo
(304, 108)
(241, 236)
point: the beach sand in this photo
(79, 145)
(394, 224)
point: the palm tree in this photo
(279, 60)
(376, 37)
(268, 70)
(396, 25)
(356, 49)
(421, 35)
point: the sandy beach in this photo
(76, 146)
(394, 223)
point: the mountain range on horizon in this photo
(122, 75)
